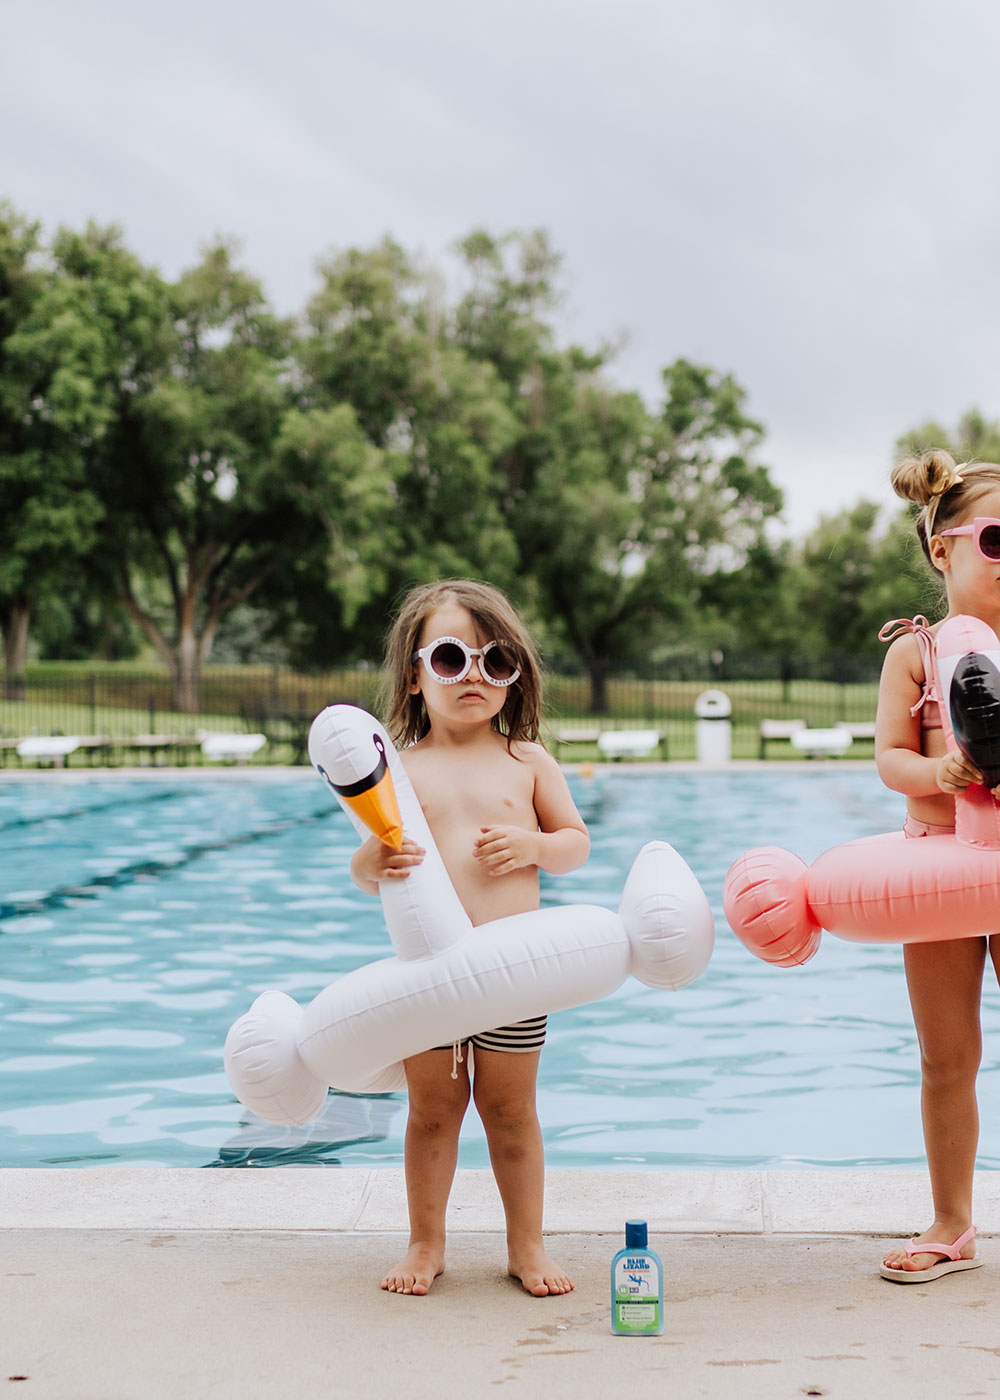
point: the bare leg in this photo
(945, 984)
(994, 946)
(504, 1089)
(437, 1107)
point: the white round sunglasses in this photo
(449, 661)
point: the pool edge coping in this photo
(779, 1201)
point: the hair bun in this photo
(923, 478)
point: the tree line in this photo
(183, 469)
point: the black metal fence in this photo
(114, 706)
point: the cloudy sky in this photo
(802, 192)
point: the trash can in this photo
(714, 730)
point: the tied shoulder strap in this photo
(920, 628)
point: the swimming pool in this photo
(139, 916)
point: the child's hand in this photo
(374, 861)
(955, 773)
(501, 849)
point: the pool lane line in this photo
(16, 822)
(65, 895)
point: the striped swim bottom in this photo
(517, 1039)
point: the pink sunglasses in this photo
(985, 532)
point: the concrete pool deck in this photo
(140, 1284)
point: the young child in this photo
(959, 529)
(464, 706)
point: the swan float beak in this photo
(373, 800)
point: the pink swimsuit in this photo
(929, 703)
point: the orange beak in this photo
(378, 809)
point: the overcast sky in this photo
(800, 192)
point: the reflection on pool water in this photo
(140, 916)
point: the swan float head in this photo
(370, 795)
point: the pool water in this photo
(139, 916)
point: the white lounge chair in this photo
(48, 748)
(782, 729)
(825, 743)
(568, 737)
(222, 748)
(628, 743)
(858, 729)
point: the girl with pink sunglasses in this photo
(959, 531)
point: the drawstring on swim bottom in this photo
(456, 1058)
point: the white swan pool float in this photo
(449, 979)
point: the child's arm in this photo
(374, 861)
(901, 765)
(561, 842)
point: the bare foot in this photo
(537, 1273)
(939, 1232)
(419, 1268)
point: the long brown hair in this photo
(406, 715)
(947, 490)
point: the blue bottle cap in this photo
(635, 1234)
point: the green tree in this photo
(632, 512)
(754, 609)
(904, 582)
(67, 335)
(339, 509)
(215, 482)
(851, 574)
(838, 567)
(619, 514)
(504, 315)
(20, 287)
(378, 342)
(976, 439)
(365, 339)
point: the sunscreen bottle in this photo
(636, 1286)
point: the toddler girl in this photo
(464, 707)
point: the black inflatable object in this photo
(974, 703)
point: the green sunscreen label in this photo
(636, 1296)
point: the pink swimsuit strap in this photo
(920, 628)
